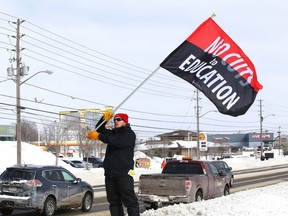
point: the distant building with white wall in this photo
(7, 132)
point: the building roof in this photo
(177, 133)
(174, 144)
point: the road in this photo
(244, 179)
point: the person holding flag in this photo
(210, 61)
(118, 163)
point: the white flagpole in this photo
(131, 94)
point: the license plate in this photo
(12, 189)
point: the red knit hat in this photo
(123, 116)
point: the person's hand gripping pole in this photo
(106, 117)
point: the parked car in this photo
(223, 166)
(96, 162)
(285, 149)
(225, 157)
(80, 163)
(75, 165)
(44, 189)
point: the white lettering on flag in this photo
(212, 79)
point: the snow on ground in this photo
(265, 201)
(30, 155)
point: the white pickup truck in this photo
(182, 181)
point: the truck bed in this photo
(167, 184)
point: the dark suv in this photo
(96, 162)
(44, 189)
(223, 166)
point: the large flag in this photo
(211, 61)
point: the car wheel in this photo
(149, 206)
(154, 206)
(6, 211)
(231, 181)
(87, 202)
(49, 206)
(199, 196)
(226, 190)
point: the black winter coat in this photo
(120, 150)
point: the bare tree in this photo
(221, 148)
(29, 131)
(55, 135)
(83, 142)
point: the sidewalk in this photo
(103, 214)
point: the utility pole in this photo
(18, 107)
(20, 72)
(261, 121)
(197, 122)
(279, 132)
(198, 116)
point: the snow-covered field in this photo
(265, 201)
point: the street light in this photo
(21, 71)
(279, 133)
(189, 145)
(47, 71)
(261, 129)
(198, 130)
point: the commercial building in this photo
(249, 140)
(183, 142)
(7, 133)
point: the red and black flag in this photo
(211, 61)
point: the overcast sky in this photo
(100, 51)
